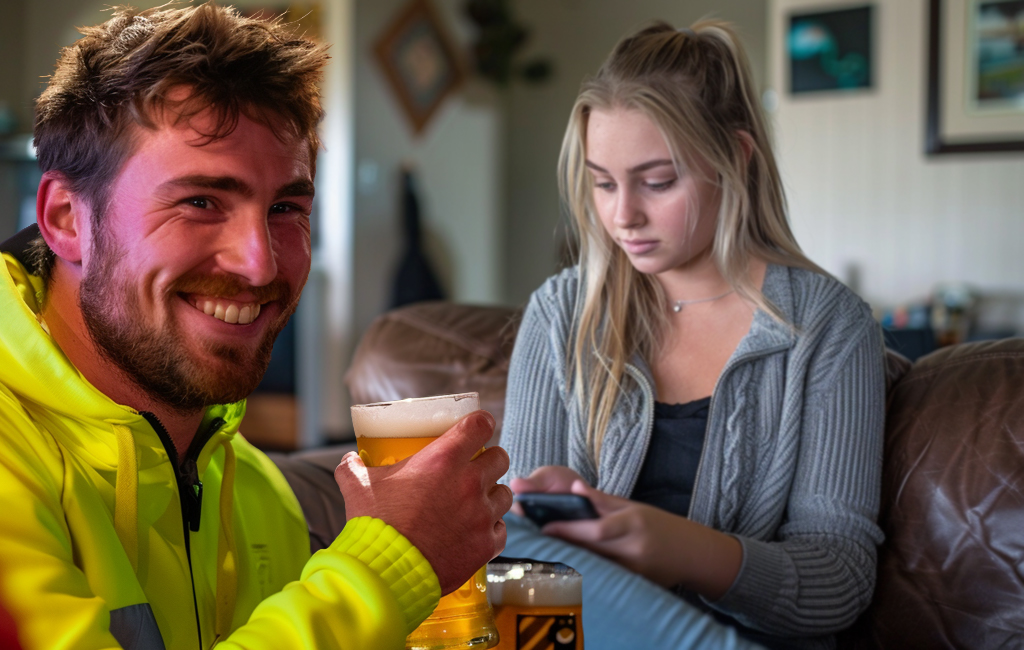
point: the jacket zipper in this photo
(190, 490)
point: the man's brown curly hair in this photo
(117, 77)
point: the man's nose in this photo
(248, 251)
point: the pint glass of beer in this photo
(537, 605)
(387, 432)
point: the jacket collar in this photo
(18, 245)
(766, 333)
(36, 370)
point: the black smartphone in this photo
(544, 507)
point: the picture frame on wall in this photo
(975, 101)
(830, 50)
(419, 61)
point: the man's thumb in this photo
(351, 465)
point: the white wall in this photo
(458, 158)
(578, 36)
(862, 192)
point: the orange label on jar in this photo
(545, 632)
(539, 628)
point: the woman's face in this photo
(663, 218)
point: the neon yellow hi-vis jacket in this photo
(98, 550)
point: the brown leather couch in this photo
(951, 571)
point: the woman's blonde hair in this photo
(695, 86)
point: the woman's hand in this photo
(665, 548)
(550, 478)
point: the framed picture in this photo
(975, 76)
(419, 61)
(830, 50)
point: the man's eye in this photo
(290, 209)
(198, 202)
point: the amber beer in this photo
(387, 432)
(537, 605)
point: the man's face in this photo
(198, 260)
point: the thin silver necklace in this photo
(677, 305)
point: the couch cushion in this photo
(951, 572)
(435, 348)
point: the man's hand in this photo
(445, 499)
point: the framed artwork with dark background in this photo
(975, 76)
(830, 50)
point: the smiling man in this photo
(178, 151)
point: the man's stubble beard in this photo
(157, 360)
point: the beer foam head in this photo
(533, 584)
(422, 417)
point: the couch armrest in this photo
(952, 504)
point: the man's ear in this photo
(63, 218)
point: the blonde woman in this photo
(716, 395)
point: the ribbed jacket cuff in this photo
(759, 574)
(399, 564)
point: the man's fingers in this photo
(501, 498)
(500, 537)
(464, 440)
(493, 464)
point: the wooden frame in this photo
(419, 61)
(944, 62)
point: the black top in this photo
(670, 467)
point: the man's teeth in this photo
(229, 312)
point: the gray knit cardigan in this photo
(792, 457)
